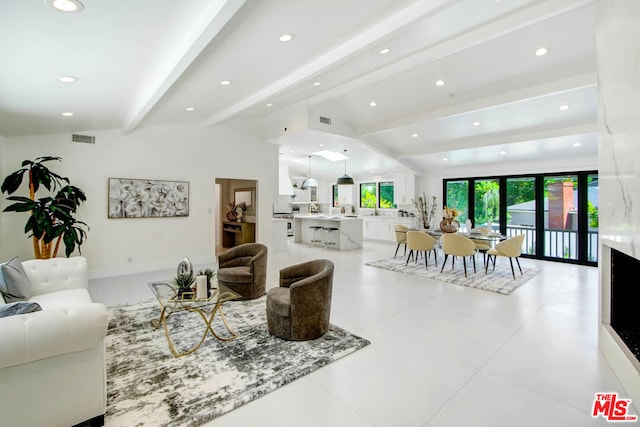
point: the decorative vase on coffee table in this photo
(449, 225)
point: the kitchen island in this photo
(347, 233)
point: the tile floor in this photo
(440, 354)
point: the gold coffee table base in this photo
(174, 305)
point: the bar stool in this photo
(315, 229)
(329, 241)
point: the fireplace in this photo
(625, 300)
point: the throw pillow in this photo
(18, 286)
(20, 307)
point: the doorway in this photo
(236, 212)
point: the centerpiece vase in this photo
(449, 225)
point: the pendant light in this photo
(345, 179)
(309, 182)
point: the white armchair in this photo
(52, 362)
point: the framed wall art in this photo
(147, 198)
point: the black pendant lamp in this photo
(345, 179)
(309, 182)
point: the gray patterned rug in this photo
(147, 386)
(500, 280)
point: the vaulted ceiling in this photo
(460, 79)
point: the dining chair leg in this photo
(512, 272)
(398, 247)
(453, 261)
(444, 262)
(464, 263)
(410, 254)
(519, 265)
(425, 260)
(474, 264)
(435, 256)
(405, 249)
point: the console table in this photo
(237, 233)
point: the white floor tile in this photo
(440, 354)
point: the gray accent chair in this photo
(299, 309)
(243, 269)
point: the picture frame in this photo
(147, 198)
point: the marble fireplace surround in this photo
(617, 46)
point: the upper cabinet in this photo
(404, 187)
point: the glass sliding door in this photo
(521, 211)
(592, 217)
(487, 203)
(561, 217)
(457, 196)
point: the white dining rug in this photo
(147, 386)
(501, 280)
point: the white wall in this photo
(173, 152)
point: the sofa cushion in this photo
(62, 299)
(235, 275)
(19, 307)
(17, 284)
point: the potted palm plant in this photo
(52, 218)
(184, 283)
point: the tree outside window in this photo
(385, 190)
(368, 195)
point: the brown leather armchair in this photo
(299, 309)
(243, 269)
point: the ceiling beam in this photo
(511, 137)
(519, 95)
(354, 45)
(514, 21)
(212, 21)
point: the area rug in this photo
(147, 386)
(500, 280)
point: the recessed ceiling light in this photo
(370, 162)
(321, 145)
(286, 37)
(564, 107)
(191, 108)
(440, 83)
(503, 152)
(373, 171)
(476, 123)
(67, 79)
(292, 151)
(542, 51)
(67, 114)
(225, 83)
(269, 105)
(577, 144)
(445, 159)
(316, 83)
(414, 135)
(67, 5)
(384, 51)
(372, 104)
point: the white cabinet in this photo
(383, 228)
(404, 188)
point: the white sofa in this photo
(52, 362)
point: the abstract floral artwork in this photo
(147, 198)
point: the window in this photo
(377, 195)
(334, 189)
(458, 197)
(557, 213)
(385, 190)
(368, 195)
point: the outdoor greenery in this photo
(52, 218)
(368, 195)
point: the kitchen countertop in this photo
(327, 217)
